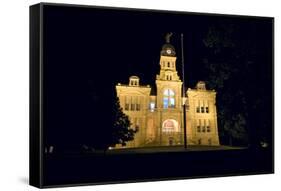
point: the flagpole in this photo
(183, 94)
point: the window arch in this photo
(168, 98)
(170, 126)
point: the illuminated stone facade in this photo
(159, 118)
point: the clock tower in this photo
(168, 79)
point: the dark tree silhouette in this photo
(229, 62)
(121, 131)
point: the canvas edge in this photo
(154, 10)
(36, 91)
(35, 96)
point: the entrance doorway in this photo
(171, 141)
(170, 132)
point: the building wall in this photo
(201, 115)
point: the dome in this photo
(168, 50)
(201, 85)
(134, 77)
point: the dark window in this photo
(126, 106)
(202, 110)
(198, 129)
(198, 110)
(208, 129)
(133, 107)
(138, 107)
(207, 109)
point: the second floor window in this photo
(127, 106)
(168, 98)
(138, 107)
(202, 110)
(133, 107)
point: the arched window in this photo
(170, 126)
(169, 98)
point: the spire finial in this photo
(168, 36)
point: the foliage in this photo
(122, 131)
(225, 65)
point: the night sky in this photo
(87, 51)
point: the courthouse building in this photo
(159, 118)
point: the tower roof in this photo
(168, 49)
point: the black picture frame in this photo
(60, 44)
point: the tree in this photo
(238, 60)
(121, 126)
(224, 62)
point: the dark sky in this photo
(88, 51)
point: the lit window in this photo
(166, 102)
(172, 102)
(152, 106)
(169, 99)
